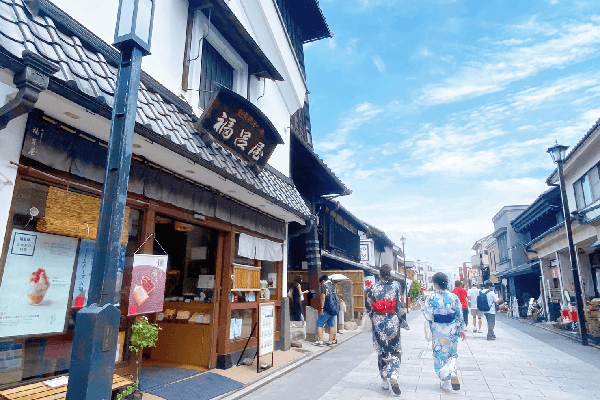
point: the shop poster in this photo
(148, 277)
(266, 329)
(85, 259)
(36, 283)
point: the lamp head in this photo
(558, 152)
(134, 24)
(402, 240)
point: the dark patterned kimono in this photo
(386, 327)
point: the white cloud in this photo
(576, 43)
(425, 52)
(535, 97)
(360, 115)
(379, 63)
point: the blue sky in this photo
(437, 113)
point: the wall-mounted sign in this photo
(148, 277)
(36, 283)
(364, 252)
(240, 126)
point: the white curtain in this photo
(246, 247)
(259, 249)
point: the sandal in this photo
(331, 342)
(455, 382)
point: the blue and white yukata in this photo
(444, 312)
(386, 327)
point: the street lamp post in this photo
(558, 156)
(97, 324)
(403, 241)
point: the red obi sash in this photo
(384, 306)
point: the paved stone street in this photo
(516, 366)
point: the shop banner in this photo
(85, 260)
(148, 277)
(36, 283)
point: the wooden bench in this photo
(40, 391)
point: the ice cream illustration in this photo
(141, 293)
(38, 286)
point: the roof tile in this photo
(88, 70)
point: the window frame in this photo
(203, 30)
(583, 188)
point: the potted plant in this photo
(143, 334)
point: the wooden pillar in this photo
(226, 267)
(217, 301)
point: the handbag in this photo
(427, 329)
(367, 324)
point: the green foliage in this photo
(415, 289)
(130, 389)
(144, 334)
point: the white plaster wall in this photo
(11, 141)
(165, 64)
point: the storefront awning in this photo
(340, 262)
(529, 268)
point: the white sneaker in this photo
(385, 385)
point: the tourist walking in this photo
(298, 298)
(444, 312)
(383, 302)
(475, 313)
(460, 291)
(330, 307)
(489, 309)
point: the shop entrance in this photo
(185, 336)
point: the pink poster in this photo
(147, 291)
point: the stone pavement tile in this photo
(520, 392)
(355, 394)
(559, 394)
(506, 396)
(480, 395)
(417, 396)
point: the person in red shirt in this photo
(460, 291)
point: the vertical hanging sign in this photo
(148, 277)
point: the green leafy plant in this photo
(415, 289)
(143, 334)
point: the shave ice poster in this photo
(36, 283)
(148, 277)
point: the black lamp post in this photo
(558, 156)
(97, 325)
(403, 241)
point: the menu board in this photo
(36, 283)
(266, 328)
(148, 277)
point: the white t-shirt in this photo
(492, 299)
(473, 293)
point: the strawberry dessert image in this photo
(38, 286)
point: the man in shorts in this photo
(327, 288)
(475, 312)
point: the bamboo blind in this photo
(74, 214)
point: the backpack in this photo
(332, 301)
(482, 301)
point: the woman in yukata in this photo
(443, 311)
(384, 303)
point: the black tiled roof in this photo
(88, 65)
